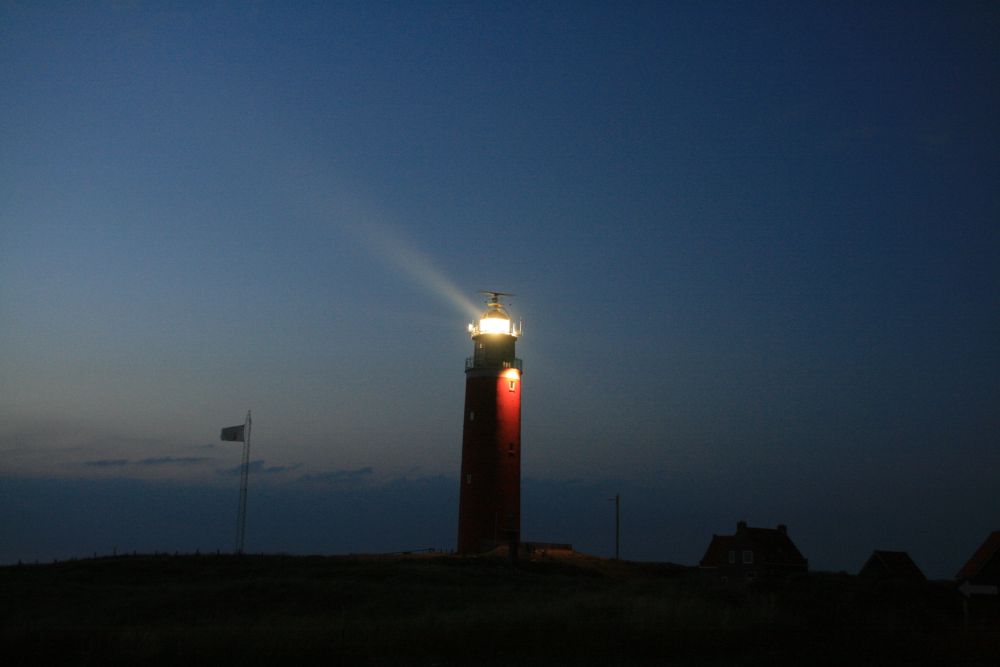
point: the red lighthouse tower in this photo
(489, 507)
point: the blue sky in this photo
(755, 249)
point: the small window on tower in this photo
(468, 478)
(512, 385)
(510, 449)
(472, 415)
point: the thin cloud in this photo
(172, 460)
(257, 467)
(106, 463)
(339, 476)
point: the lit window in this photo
(472, 415)
(747, 557)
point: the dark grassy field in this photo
(159, 610)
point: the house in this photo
(896, 565)
(752, 553)
(984, 566)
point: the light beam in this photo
(390, 246)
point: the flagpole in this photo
(241, 518)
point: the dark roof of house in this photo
(892, 564)
(983, 554)
(775, 544)
(772, 545)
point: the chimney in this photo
(783, 529)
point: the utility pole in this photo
(617, 500)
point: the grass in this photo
(257, 610)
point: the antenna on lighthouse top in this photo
(494, 296)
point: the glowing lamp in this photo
(494, 321)
(494, 325)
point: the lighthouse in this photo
(489, 506)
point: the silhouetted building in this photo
(489, 506)
(984, 566)
(753, 553)
(896, 565)
(532, 550)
